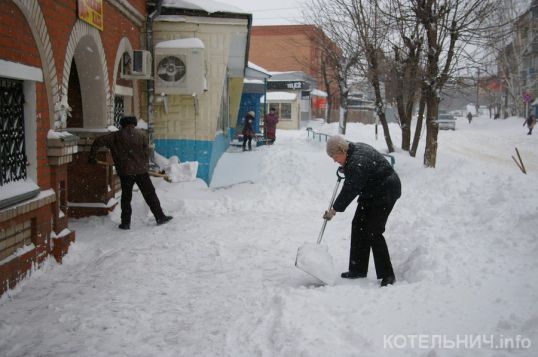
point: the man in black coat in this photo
(371, 177)
(130, 152)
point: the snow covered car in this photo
(446, 121)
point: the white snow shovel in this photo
(314, 259)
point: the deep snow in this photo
(220, 280)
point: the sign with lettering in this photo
(91, 11)
(288, 85)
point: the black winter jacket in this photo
(130, 150)
(368, 175)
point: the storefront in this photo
(63, 80)
(297, 83)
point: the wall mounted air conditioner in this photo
(180, 67)
(136, 67)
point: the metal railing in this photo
(314, 133)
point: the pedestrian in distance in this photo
(530, 122)
(248, 130)
(271, 120)
(469, 117)
(130, 152)
(369, 176)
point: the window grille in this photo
(119, 109)
(12, 151)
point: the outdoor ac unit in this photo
(180, 67)
(137, 67)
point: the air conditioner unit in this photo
(180, 67)
(136, 67)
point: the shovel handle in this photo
(340, 178)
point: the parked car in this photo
(446, 121)
(456, 113)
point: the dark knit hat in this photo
(129, 120)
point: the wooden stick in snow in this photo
(521, 162)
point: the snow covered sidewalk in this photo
(220, 280)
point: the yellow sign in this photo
(91, 11)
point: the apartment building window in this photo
(13, 158)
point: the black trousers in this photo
(147, 189)
(245, 138)
(367, 230)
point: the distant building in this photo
(527, 33)
(293, 48)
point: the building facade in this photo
(294, 48)
(62, 85)
(200, 60)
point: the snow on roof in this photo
(191, 42)
(318, 93)
(276, 96)
(209, 6)
(255, 81)
(258, 68)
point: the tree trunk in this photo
(380, 109)
(343, 108)
(379, 100)
(405, 112)
(432, 129)
(418, 129)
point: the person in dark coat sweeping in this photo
(371, 177)
(130, 152)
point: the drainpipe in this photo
(150, 84)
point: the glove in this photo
(328, 215)
(92, 160)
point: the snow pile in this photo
(175, 170)
(52, 134)
(220, 278)
(181, 172)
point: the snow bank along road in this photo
(219, 280)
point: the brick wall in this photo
(16, 40)
(36, 228)
(281, 48)
(34, 218)
(289, 48)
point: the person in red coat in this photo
(271, 120)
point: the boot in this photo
(352, 275)
(124, 226)
(164, 220)
(388, 280)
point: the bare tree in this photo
(507, 44)
(328, 54)
(404, 75)
(371, 35)
(445, 22)
(329, 17)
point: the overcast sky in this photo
(274, 12)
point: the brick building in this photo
(284, 48)
(60, 86)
